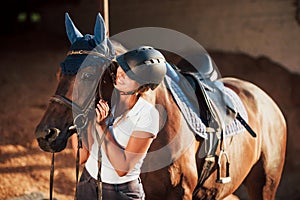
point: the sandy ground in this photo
(27, 81)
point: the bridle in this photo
(81, 113)
(80, 120)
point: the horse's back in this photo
(259, 104)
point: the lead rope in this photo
(52, 169)
(51, 176)
(99, 180)
(79, 146)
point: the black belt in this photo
(109, 186)
(121, 186)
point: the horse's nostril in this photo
(51, 134)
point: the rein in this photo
(80, 122)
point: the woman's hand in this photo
(102, 111)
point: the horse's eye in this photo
(87, 76)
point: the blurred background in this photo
(256, 40)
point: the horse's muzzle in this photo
(51, 139)
(52, 134)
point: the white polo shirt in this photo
(142, 117)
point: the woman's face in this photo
(124, 83)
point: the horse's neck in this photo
(123, 104)
(174, 131)
(162, 96)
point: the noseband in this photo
(80, 121)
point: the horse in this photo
(257, 163)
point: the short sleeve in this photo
(148, 121)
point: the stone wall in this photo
(265, 27)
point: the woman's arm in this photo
(124, 160)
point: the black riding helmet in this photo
(145, 65)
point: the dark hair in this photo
(145, 87)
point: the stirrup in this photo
(227, 178)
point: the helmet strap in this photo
(132, 92)
(128, 93)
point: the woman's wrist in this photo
(101, 123)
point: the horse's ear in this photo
(99, 30)
(72, 32)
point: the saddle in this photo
(211, 96)
(217, 116)
(216, 110)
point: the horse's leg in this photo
(183, 176)
(190, 174)
(264, 178)
(231, 197)
(183, 172)
(255, 181)
(175, 182)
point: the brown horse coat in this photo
(172, 166)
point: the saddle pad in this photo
(189, 112)
(192, 115)
(235, 127)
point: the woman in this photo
(135, 126)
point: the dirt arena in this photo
(28, 66)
